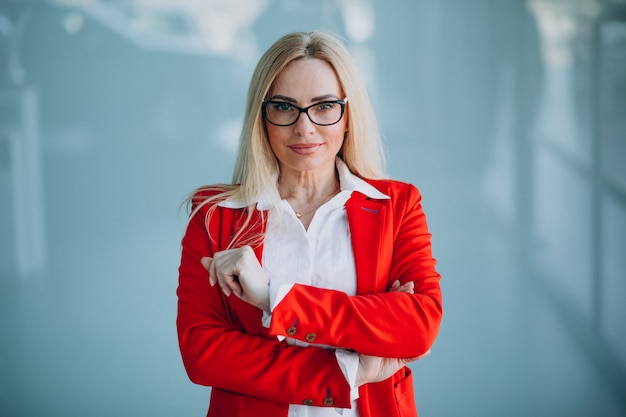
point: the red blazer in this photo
(224, 345)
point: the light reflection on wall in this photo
(580, 198)
(210, 26)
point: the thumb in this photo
(206, 262)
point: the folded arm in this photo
(217, 352)
(386, 323)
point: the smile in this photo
(305, 148)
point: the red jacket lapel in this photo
(366, 218)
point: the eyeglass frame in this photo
(305, 110)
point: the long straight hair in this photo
(256, 168)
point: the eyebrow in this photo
(314, 99)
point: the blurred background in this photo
(509, 115)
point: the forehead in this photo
(306, 78)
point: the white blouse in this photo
(320, 256)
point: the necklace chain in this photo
(299, 214)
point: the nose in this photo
(303, 125)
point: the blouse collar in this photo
(347, 182)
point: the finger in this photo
(238, 291)
(224, 286)
(233, 287)
(213, 273)
(206, 263)
(394, 286)
(229, 284)
(408, 287)
(221, 279)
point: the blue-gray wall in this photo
(509, 115)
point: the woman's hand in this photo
(238, 271)
(375, 368)
(407, 288)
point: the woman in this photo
(308, 284)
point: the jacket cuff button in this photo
(308, 401)
(310, 337)
(328, 401)
(291, 331)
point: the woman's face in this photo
(305, 146)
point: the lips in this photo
(305, 148)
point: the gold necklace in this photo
(328, 197)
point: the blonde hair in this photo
(256, 168)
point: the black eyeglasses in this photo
(282, 113)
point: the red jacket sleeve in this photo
(388, 324)
(217, 350)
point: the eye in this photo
(322, 107)
(281, 106)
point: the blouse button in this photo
(308, 401)
(291, 331)
(310, 337)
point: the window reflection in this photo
(201, 26)
(612, 106)
(579, 147)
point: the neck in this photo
(307, 191)
(308, 187)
